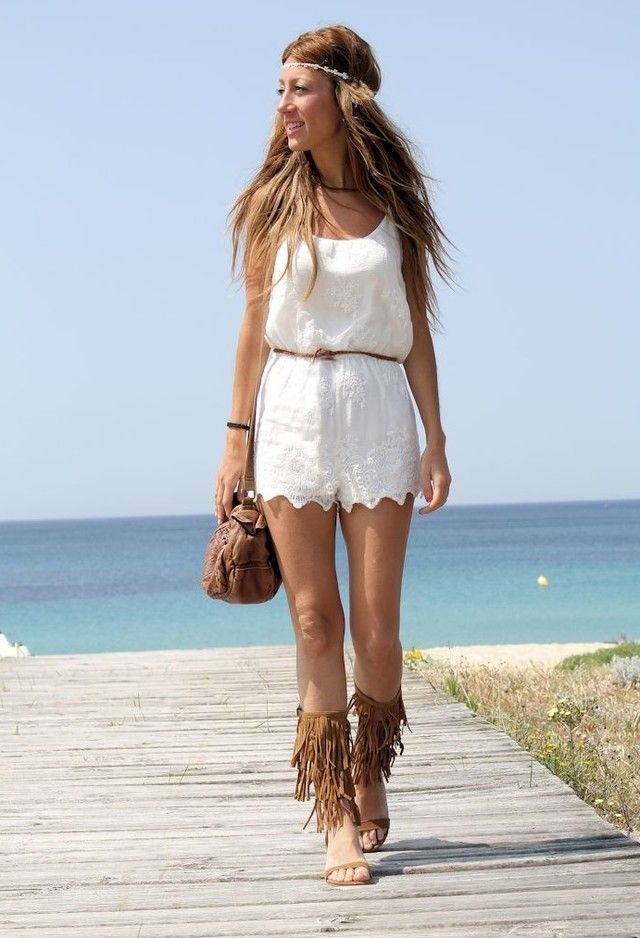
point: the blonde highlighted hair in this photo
(280, 202)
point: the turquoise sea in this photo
(470, 577)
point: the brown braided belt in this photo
(331, 353)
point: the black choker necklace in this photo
(338, 188)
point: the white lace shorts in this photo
(335, 430)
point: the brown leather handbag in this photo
(240, 563)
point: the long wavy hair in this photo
(280, 202)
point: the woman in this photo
(338, 231)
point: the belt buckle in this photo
(324, 353)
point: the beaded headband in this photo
(332, 71)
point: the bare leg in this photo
(376, 540)
(304, 542)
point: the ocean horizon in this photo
(73, 586)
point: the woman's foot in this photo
(344, 845)
(372, 803)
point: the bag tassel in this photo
(379, 737)
(322, 756)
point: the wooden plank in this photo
(149, 794)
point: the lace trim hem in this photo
(299, 501)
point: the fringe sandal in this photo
(378, 741)
(322, 756)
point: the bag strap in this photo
(247, 480)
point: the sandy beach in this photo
(544, 655)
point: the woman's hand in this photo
(436, 477)
(229, 474)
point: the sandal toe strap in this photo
(372, 823)
(350, 864)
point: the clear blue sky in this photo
(130, 127)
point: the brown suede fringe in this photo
(378, 739)
(322, 756)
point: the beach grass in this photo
(580, 718)
(602, 656)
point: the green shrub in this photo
(592, 659)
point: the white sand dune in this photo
(545, 655)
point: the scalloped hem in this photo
(300, 502)
(297, 501)
(399, 499)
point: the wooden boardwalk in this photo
(149, 795)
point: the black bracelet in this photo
(240, 426)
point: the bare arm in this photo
(422, 377)
(247, 372)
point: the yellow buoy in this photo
(542, 581)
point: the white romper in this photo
(343, 429)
